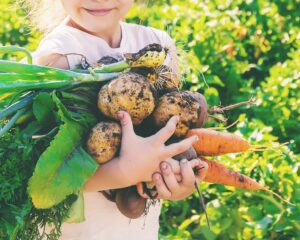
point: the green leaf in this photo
(65, 166)
(62, 169)
(76, 212)
(87, 119)
(43, 107)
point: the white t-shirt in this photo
(102, 218)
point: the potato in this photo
(104, 141)
(186, 105)
(130, 203)
(130, 92)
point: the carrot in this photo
(214, 143)
(218, 173)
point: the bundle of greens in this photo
(45, 116)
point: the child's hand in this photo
(168, 185)
(140, 157)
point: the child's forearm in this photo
(108, 176)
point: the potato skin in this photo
(104, 141)
(182, 104)
(130, 92)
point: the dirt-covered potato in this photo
(104, 141)
(130, 92)
(191, 110)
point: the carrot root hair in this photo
(213, 110)
(277, 195)
(224, 128)
(261, 148)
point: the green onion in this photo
(114, 67)
(16, 106)
(12, 49)
(27, 69)
(12, 121)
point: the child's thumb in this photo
(126, 123)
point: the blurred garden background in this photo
(230, 51)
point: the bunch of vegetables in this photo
(54, 114)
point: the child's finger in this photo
(174, 165)
(180, 147)
(202, 170)
(169, 177)
(194, 163)
(161, 188)
(166, 132)
(188, 176)
(126, 123)
(140, 190)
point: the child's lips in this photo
(99, 12)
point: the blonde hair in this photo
(44, 15)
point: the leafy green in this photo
(43, 108)
(64, 167)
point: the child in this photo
(94, 29)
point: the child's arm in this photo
(54, 60)
(139, 157)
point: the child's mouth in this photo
(99, 12)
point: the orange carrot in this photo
(214, 143)
(218, 173)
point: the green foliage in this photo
(18, 218)
(241, 49)
(61, 171)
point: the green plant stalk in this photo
(12, 121)
(114, 67)
(76, 98)
(11, 77)
(20, 86)
(27, 69)
(48, 73)
(16, 106)
(12, 49)
(83, 78)
(25, 117)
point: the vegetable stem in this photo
(16, 106)
(12, 49)
(11, 122)
(114, 67)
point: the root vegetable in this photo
(190, 107)
(130, 92)
(104, 141)
(214, 143)
(130, 203)
(219, 174)
(151, 56)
